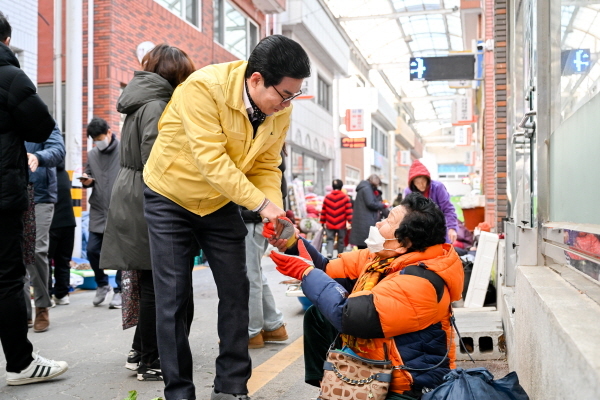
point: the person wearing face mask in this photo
(394, 295)
(419, 180)
(100, 173)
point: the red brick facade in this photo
(494, 150)
(119, 26)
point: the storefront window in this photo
(580, 47)
(310, 171)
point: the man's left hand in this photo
(452, 235)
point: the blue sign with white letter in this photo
(454, 67)
(575, 61)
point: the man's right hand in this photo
(271, 212)
(85, 179)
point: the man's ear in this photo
(7, 41)
(254, 79)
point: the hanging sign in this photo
(353, 143)
(355, 120)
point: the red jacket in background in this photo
(337, 209)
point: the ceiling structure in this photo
(389, 32)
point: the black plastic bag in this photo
(477, 384)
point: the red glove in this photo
(268, 230)
(285, 230)
(293, 266)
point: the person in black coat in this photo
(23, 117)
(368, 208)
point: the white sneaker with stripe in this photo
(41, 369)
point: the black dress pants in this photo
(13, 314)
(60, 251)
(221, 235)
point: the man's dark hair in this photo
(97, 127)
(5, 29)
(276, 57)
(424, 223)
(337, 184)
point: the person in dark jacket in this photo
(368, 207)
(419, 180)
(336, 213)
(101, 173)
(23, 117)
(62, 238)
(125, 246)
(43, 159)
(390, 301)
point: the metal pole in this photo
(74, 89)
(57, 90)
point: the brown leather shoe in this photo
(42, 320)
(256, 342)
(278, 335)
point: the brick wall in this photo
(494, 151)
(119, 26)
(501, 61)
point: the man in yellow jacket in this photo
(218, 148)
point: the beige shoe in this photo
(278, 335)
(42, 320)
(256, 342)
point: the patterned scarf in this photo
(374, 272)
(258, 116)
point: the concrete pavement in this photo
(92, 341)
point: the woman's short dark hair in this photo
(97, 127)
(424, 224)
(5, 28)
(276, 57)
(171, 63)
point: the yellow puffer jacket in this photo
(205, 156)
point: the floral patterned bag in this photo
(350, 377)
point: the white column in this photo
(57, 93)
(74, 89)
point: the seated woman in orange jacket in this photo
(395, 294)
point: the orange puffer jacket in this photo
(403, 303)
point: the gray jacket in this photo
(103, 166)
(126, 235)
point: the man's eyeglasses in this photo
(292, 97)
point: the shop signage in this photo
(462, 135)
(354, 143)
(355, 120)
(404, 158)
(575, 61)
(462, 110)
(453, 67)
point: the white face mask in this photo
(102, 144)
(375, 241)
